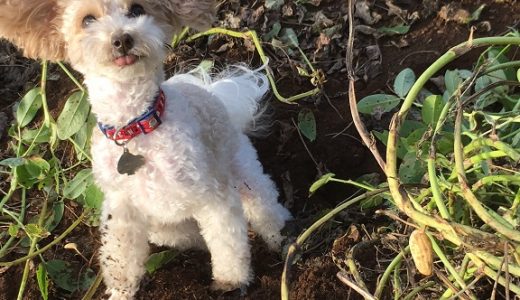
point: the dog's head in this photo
(113, 38)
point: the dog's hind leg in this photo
(259, 196)
(124, 247)
(184, 235)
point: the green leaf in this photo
(453, 78)
(411, 170)
(83, 136)
(403, 82)
(87, 279)
(431, 110)
(55, 216)
(320, 182)
(409, 126)
(445, 143)
(13, 162)
(382, 136)
(378, 103)
(43, 282)
(32, 171)
(28, 107)
(73, 115)
(414, 137)
(157, 260)
(74, 188)
(40, 135)
(452, 81)
(307, 124)
(62, 273)
(289, 37)
(492, 95)
(399, 29)
(371, 202)
(93, 197)
(275, 30)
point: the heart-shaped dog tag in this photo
(129, 163)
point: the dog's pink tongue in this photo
(125, 60)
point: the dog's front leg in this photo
(224, 229)
(124, 248)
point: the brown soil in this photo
(337, 149)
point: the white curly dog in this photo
(172, 157)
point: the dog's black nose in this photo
(123, 43)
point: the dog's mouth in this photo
(126, 60)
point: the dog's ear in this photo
(196, 14)
(33, 26)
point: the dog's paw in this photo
(228, 287)
(119, 295)
(274, 242)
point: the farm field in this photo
(314, 154)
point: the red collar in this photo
(145, 123)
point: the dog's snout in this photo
(123, 43)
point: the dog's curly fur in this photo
(202, 182)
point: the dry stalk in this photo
(367, 138)
(343, 277)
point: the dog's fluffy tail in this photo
(240, 89)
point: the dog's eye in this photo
(135, 11)
(87, 20)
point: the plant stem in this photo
(354, 183)
(470, 198)
(93, 288)
(494, 275)
(251, 34)
(436, 190)
(34, 241)
(367, 138)
(46, 114)
(178, 37)
(76, 82)
(48, 246)
(80, 149)
(448, 265)
(397, 282)
(5, 247)
(386, 275)
(343, 277)
(351, 264)
(476, 145)
(294, 248)
(419, 289)
(491, 179)
(509, 64)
